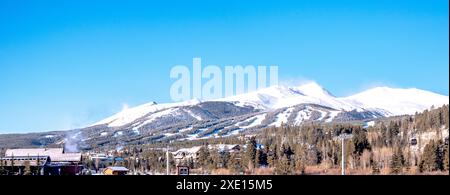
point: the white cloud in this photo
(295, 81)
(125, 106)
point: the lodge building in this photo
(41, 161)
(183, 155)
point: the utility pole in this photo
(167, 161)
(343, 137)
(343, 157)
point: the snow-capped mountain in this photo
(245, 113)
(397, 101)
(383, 101)
(129, 115)
(272, 106)
(281, 96)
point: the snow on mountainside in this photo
(280, 96)
(127, 116)
(398, 101)
(282, 105)
(242, 114)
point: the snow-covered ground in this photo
(302, 116)
(118, 133)
(156, 115)
(370, 123)
(282, 118)
(198, 117)
(256, 121)
(323, 114)
(185, 129)
(194, 136)
(332, 115)
(169, 134)
(136, 131)
(129, 115)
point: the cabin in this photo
(115, 171)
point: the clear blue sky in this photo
(66, 64)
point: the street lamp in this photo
(167, 158)
(343, 137)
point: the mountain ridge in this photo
(238, 115)
(378, 99)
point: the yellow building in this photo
(115, 171)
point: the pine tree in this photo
(190, 163)
(235, 163)
(250, 153)
(375, 168)
(283, 166)
(225, 158)
(203, 157)
(429, 160)
(215, 160)
(273, 158)
(440, 150)
(408, 163)
(2, 166)
(397, 162)
(446, 156)
(300, 159)
(314, 156)
(261, 158)
(360, 141)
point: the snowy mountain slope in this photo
(272, 106)
(373, 103)
(397, 101)
(127, 116)
(281, 96)
(245, 113)
(213, 120)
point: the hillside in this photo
(241, 114)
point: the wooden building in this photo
(115, 171)
(42, 161)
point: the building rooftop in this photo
(55, 154)
(117, 168)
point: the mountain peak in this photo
(391, 101)
(399, 101)
(313, 89)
